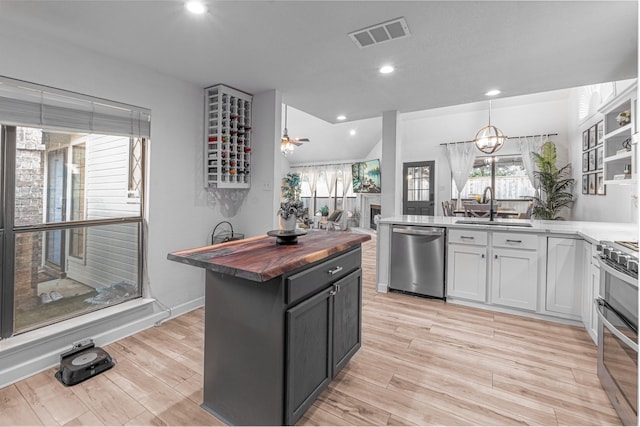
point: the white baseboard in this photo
(513, 311)
(33, 352)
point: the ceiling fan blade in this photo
(299, 139)
(296, 143)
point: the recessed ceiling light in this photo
(493, 92)
(352, 132)
(386, 69)
(196, 7)
(341, 117)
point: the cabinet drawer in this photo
(515, 240)
(311, 280)
(468, 237)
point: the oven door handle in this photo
(599, 303)
(618, 274)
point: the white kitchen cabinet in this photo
(467, 265)
(514, 278)
(590, 289)
(514, 270)
(563, 285)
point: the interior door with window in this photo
(418, 188)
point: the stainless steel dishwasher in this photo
(417, 260)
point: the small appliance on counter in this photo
(617, 309)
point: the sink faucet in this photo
(484, 200)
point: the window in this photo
(322, 196)
(73, 238)
(135, 168)
(512, 181)
(76, 244)
(418, 180)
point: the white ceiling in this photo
(457, 50)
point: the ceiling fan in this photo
(286, 140)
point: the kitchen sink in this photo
(502, 222)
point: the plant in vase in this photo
(324, 211)
(291, 207)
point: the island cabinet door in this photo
(308, 364)
(347, 313)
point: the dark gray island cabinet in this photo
(280, 322)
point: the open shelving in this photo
(227, 138)
(620, 144)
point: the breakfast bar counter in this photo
(280, 322)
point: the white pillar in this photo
(391, 197)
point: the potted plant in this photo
(554, 184)
(324, 211)
(291, 207)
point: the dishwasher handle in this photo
(421, 231)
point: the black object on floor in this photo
(82, 362)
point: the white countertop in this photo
(594, 232)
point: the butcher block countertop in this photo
(260, 259)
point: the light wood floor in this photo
(422, 362)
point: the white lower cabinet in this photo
(514, 278)
(564, 285)
(541, 274)
(467, 272)
(590, 290)
(513, 275)
(467, 265)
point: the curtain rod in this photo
(509, 137)
(327, 164)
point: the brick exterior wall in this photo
(30, 152)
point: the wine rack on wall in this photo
(227, 138)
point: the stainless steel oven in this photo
(618, 327)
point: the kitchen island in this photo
(280, 322)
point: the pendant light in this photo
(489, 139)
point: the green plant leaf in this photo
(554, 184)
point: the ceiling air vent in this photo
(380, 33)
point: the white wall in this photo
(259, 210)
(620, 203)
(422, 133)
(180, 212)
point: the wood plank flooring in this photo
(422, 362)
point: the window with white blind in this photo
(72, 214)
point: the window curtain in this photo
(331, 177)
(529, 145)
(310, 175)
(346, 183)
(460, 156)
